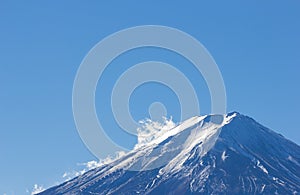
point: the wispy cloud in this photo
(150, 130)
(37, 189)
(91, 165)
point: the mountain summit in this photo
(213, 154)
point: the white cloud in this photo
(37, 189)
(91, 165)
(150, 130)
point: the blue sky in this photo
(255, 44)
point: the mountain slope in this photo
(230, 154)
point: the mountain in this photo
(213, 154)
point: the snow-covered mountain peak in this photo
(158, 132)
(212, 154)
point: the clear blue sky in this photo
(255, 44)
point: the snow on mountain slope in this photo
(215, 154)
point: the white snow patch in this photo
(280, 182)
(290, 158)
(263, 188)
(229, 118)
(262, 167)
(224, 155)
